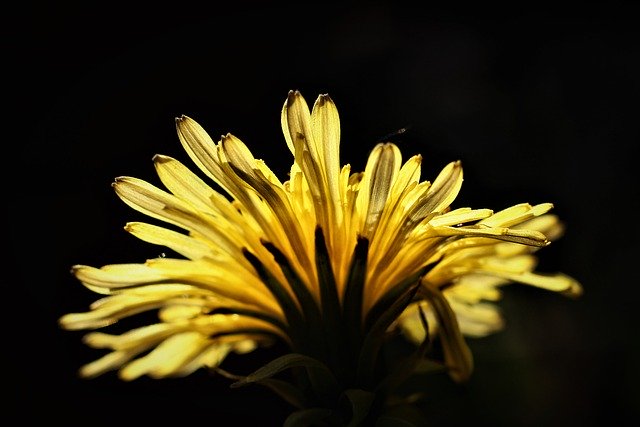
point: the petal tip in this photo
(323, 99)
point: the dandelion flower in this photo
(330, 262)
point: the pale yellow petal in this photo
(183, 311)
(459, 216)
(553, 282)
(210, 357)
(298, 125)
(473, 288)
(476, 320)
(325, 124)
(440, 194)
(159, 204)
(409, 175)
(237, 153)
(228, 279)
(184, 184)
(182, 244)
(411, 324)
(202, 150)
(380, 173)
(167, 357)
(117, 275)
(516, 264)
(142, 337)
(549, 225)
(109, 362)
(525, 237)
(109, 313)
(516, 214)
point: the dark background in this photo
(539, 104)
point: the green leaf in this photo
(280, 364)
(361, 402)
(312, 417)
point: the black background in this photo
(539, 104)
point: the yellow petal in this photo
(459, 216)
(297, 125)
(411, 324)
(409, 175)
(183, 183)
(553, 282)
(237, 153)
(210, 357)
(516, 214)
(380, 172)
(117, 275)
(108, 362)
(202, 150)
(525, 237)
(549, 225)
(439, 195)
(143, 337)
(108, 313)
(176, 312)
(476, 320)
(166, 358)
(325, 124)
(182, 244)
(159, 204)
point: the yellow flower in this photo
(329, 261)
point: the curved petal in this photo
(457, 355)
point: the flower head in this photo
(328, 261)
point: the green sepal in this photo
(300, 289)
(310, 310)
(330, 306)
(288, 305)
(389, 297)
(457, 355)
(290, 393)
(360, 402)
(353, 296)
(375, 336)
(322, 381)
(311, 417)
(327, 281)
(407, 367)
(280, 364)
